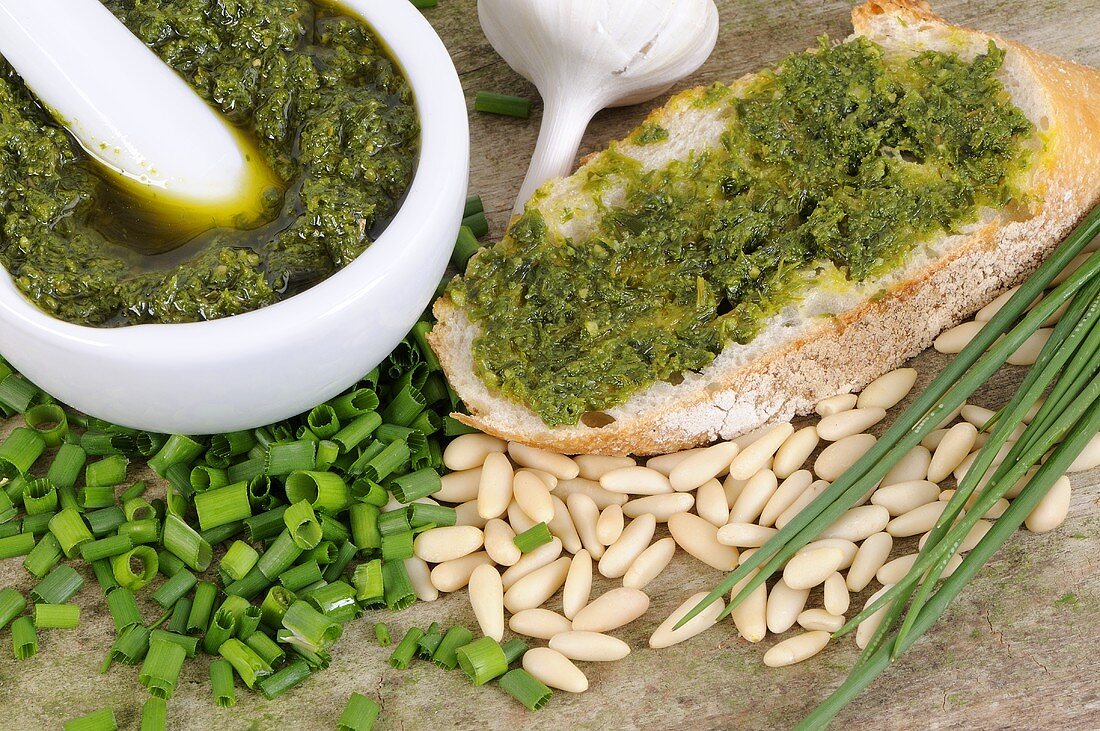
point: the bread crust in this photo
(845, 352)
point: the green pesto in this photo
(649, 133)
(838, 157)
(329, 111)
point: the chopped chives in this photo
(317, 659)
(535, 536)
(12, 604)
(394, 521)
(416, 485)
(221, 629)
(161, 670)
(265, 525)
(225, 446)
(174, 589)
(135, 568)
(275, 685)
(104, 575)
(133, 492)
(24, 640)
(239, 560)
(503, 104)
(259, 491)
(429, 643)
(323, 421)
(403, 654)
(327, 454)
(365, 532)
(170, 564)
(221, 684)
(181, 610)
(474, 204)
(56, 616)
(344, 556)
(95, 497)
(70, 530)
(287, 457)
(369, 491)
(446, 655)
(123, 607)
(482, 660)
(190, 645)
(101, 720)
(138, 508)
(59, 586)
(324, 554)
(221, 534)
(39, 496)
(523, 686)
(367, 579)
(382, 634)
(311, 628)
(141, 531)
(106, 520)
(10, 528)
(248, 664)
(201, 607)
(324, 491)
(452, 427)
(266, 648)
(38, 524)
(204, 477)
(466, 245)
(20, 451)
(131, 645)
(235, 605)
(279, 556)
(154, 714)
(187, 545)
(223, 505)
(106, 547)
(424, 4)
(359, 714)
(398, 587)
(107, 472)
(422, 514)
(43, 557)
(354, 403)
(336, 601)
(17, 393)
(301, 523)
(405, 406)
(248, 623)
(248, 470)
(20, 544)
(300, 576)
(514, 649)
(12, 492)
(179, 449)
(274, 606)
(49, 421)
(355, 432)
(477, 223)
(397, 546)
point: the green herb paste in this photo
(329, 111)
(841, 156)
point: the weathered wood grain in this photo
(1015, 652)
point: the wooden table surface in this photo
(1015, 652)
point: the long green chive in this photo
(135, 568)
(56, 616)
(282, 459)
(482, 660)
(535, 536)
(523, 686)
(40, 496)
(275, 685)
(123, 607)
(223, 505)
(364, 519)
(154, 714)
(44, 556)
(300, 576)
(423, 514)
(141, 531)
(446, 655)
(397, 546)
(59, 586)
(20, 451)
(12, 604)
(367, 579)
(107, 472)
(20, 544)
(190, 645)
(221, 683)
(465, 247)
(359, 429)
(336, 601)
(187, 545)
(49, 421)
(503, 104)
(161, 670)
(101, 720)
(325, 491)
(24, 640)
(174, 589)
(403, 654)
(416, 485)
(311, 628)
(359, 714)
(248, 664)
(106, 548)
(70, 530)
(179, 449)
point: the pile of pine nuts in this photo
(719, 504)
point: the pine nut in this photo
(1052, 509)
(913, 466)
(1013, 492)
(955, 339)
(836, 596)
(467, 514)
(997, 510)
(976, 415)
(820, 619)
(973, 536)
(758, 455)
(600, 496)
(894, 571)
(650, 564)
(836, 458)
(796, 649)
(756, 494)
(487, 600)
(541, 556)
(446, 544)
(548, 479)
(500, 543)
(453, 575)
(578, 584)
(585, 515)
(751, 615)
(665, 463)
(420, 576)
(733, 489)
(711, 503)
(986, 313)
(536, 587)
(558, 465)
(888, 390)
(661, 507)
(533, 497)
(836, 404)
(459, 487)
(795, 451)
(595, 466)
(518, 519)
(468, 451)
(495, 490)
(808, 496)
(636, 481)
(784, 606)
(962, 469)
(562, 526)
(697, 468)
(858, 523)
(745, 535)
(634, 539)
(611, 610)
(542, 624)
(753, 436)
(700, 539)
(867, 627)
(847, 549)
(808, 569)
(1089, 457)
(933, 439)
(785, 495)
(666, 636)
(609, 526)
(589, 646)
(916, 521)
(554, 670)
(872, 554)
(847, 423)
(905, 496)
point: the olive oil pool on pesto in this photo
(313, 89)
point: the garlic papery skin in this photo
(585, 55)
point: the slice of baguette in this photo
(842, 336)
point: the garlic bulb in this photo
(585, 55)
